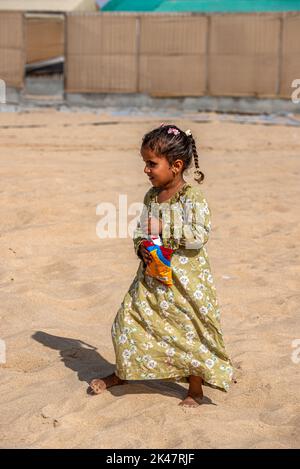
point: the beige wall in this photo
(12, 56)
(44, 37)
(167, 55)
(290, 58)
(183, 55)
(244, 55)
(172, 58)
(101, 53)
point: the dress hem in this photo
(176, 378)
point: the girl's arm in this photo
(189, 223)
(140, 233)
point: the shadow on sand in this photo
(85, 360)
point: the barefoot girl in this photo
(171, 332)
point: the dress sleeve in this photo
(139, 234)
(189, 222)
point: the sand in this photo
(61, 285)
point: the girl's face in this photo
(157, 168)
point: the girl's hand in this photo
(145, 254)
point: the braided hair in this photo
(173, 143)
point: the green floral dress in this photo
(162, 332)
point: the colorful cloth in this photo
(162, 332)
(160, 266)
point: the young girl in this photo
(171, 332)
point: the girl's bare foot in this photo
(101, 384)
(195, 393)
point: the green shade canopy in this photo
(205, 6)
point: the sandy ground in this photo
(61, 285)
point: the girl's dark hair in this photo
(174, 145)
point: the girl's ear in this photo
(178, 165)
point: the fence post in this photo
(207, 80)
(280, 53)
(138, 51)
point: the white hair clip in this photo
(188, 132)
